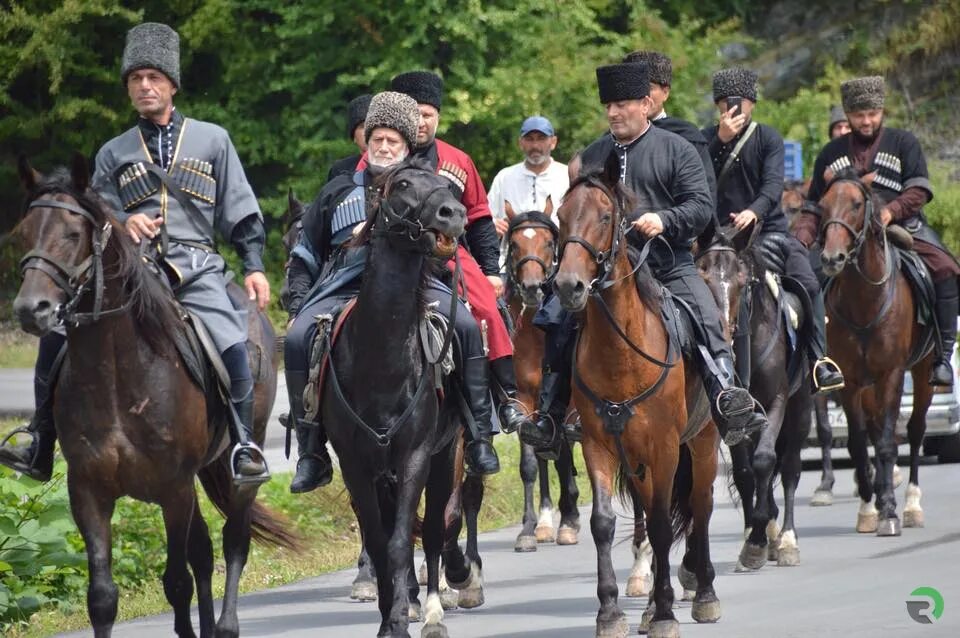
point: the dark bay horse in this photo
(874, 336)
(733, 274)
(130, 419)
(379, 384)
(655, 431)
(531, 240)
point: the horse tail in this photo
(266, 526)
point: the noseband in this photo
(74, 280)
(404, 230)
(860, 236)
(530, 220)
(605, 259)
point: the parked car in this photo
(942, 437)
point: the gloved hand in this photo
(770, 250)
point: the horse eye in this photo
(73, 235)
(607, 218)
(403, 184)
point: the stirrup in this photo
(23, 429)
(243, 479)
(573, 427)
(827, 361)
(504, 427)
(738, 411)
(549, 450)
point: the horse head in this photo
(793, 198)
(291, 221)
(416, 210)
(593, 223)
(531, 240)
(848, 215)
(728, 268)
(61, 228)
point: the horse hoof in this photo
(688, 580)
(471, 598)
(773, 552)
(525, 543)
(545, 534)
(706, 612)
(613, 629)
(646, 618)
(637, 586)
(867, 522)
(664, 629)
(789, 557)
(449, 599)
(365, 591)
(913, 518)
(415, 613)
(567, 536)
(422, 574)
(889, 527)
(752, 557)
(822, 498)
(434, 631)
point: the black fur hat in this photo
(735, 81)
(619, 82)
(357, 112)
(152, 45)
(423, 86)
(658, 65)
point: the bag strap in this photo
(732, 157)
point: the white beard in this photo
(384, 162)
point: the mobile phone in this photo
(735, 102)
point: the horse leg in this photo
(753, 555)
(472, 595)
(641, 574)
(795, 427)
(526, 540)
(364, 586)
(545, 531)
(92, 514)
(200, 556)
(569, 529)
(916, 427)
(743, 479)
(177, 583)
(611, 621)
(886, 448)
(439, 483)
(363, 493)
(823, 495)
(660, 529)
(857, 446)
(703, 451)
(236, 548)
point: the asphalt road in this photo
(847, 585)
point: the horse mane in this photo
(152, 303)
(623, 200)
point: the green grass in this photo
(323, 519)
(17, 348)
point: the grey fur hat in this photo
(735, 81)
(836, 116)
(423, 86)
(658, 65)
(393, 110)
(862, 94)
(152, 45)
(619, 82)
(357, 112)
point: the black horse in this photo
(733, 274)
(393, 434)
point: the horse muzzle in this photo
(572, 292)
(531, 294)
(833, 261)
(36, 314)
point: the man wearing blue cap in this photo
(528, 184)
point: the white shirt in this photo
(526, 190)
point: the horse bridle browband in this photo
(531, 220)
(74, 279)
(859, 237)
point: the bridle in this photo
(527, 221)
(860, 236)
(404, 230)
(75, 280)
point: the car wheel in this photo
(949, 449)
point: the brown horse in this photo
(645, 417)
(130, 419)
(531, 240)
(875, 338)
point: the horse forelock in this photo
(152, 304)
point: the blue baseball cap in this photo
(536, 123)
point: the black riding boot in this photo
(505, 395)
(481, 455)
(247, 464)
(36, 459)
(826, 375)
(947, 306)
(249, 458)
(732, 407)
(314, 468)
(543, 430)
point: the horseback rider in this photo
(199, 158)
(893, 160)
(666, 174)
(749, 159)
(838, 124)
(356, 114)
(325, 272)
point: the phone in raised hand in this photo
(735, 102)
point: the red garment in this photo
(483, 305)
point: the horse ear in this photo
(80, 172)
(611, 169)
(294, 206)
(548, 206)
(28, 176)
(508, 209)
